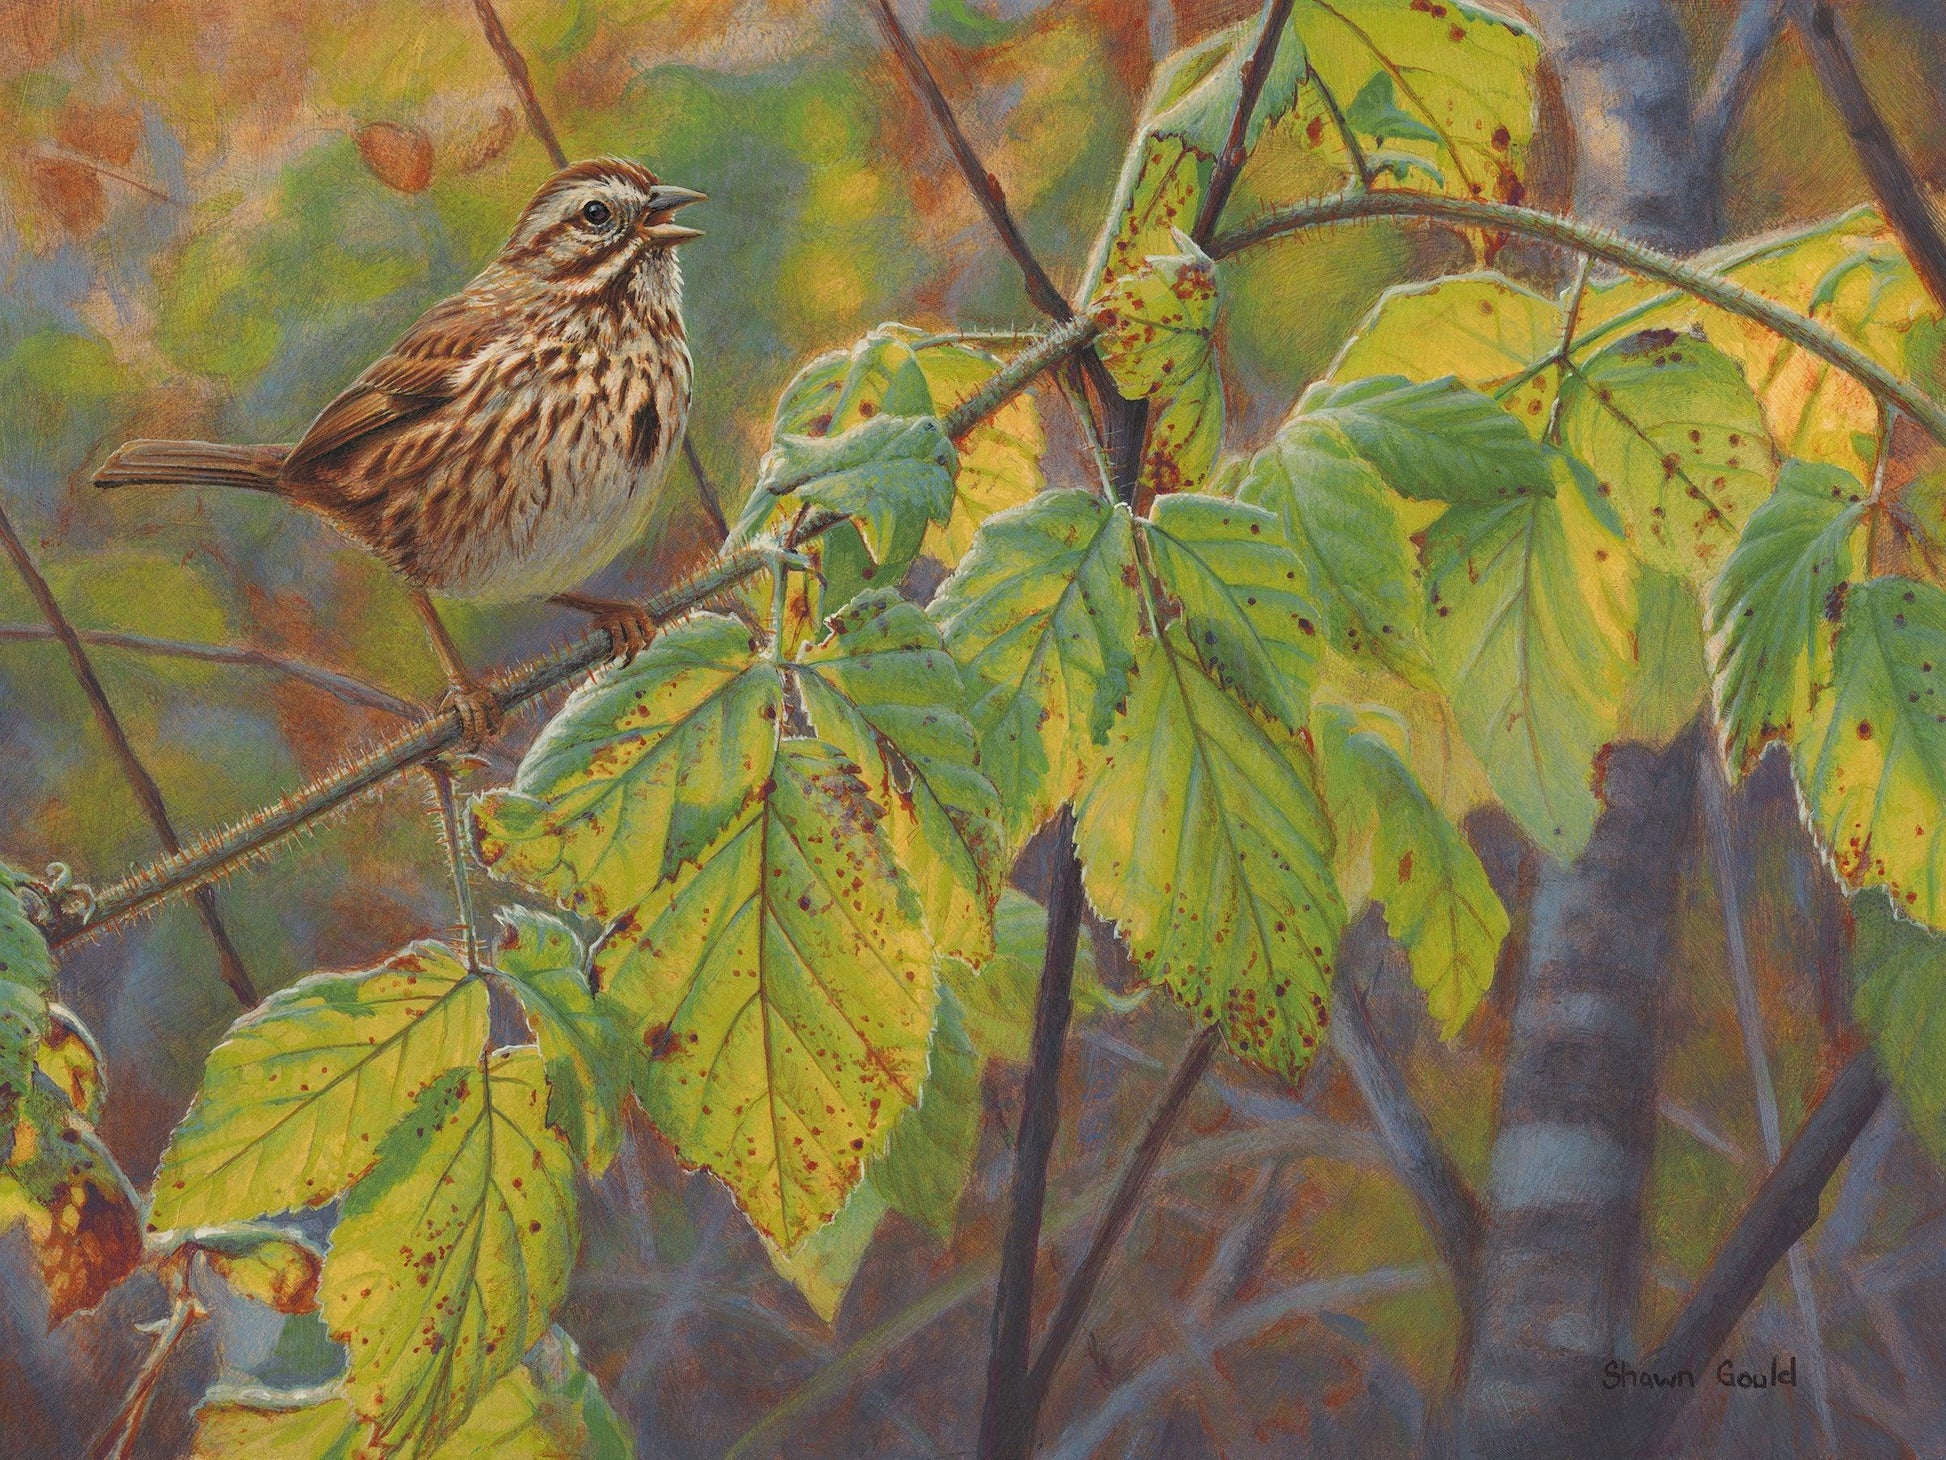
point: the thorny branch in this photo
(1223, 177)
(137, 775)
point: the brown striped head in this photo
(597, 224)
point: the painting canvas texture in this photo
(972, 728)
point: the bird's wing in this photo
(418, 373)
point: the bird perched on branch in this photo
(514, 441)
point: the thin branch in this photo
(1360, 163)
(1229, 162)
(1784, 1208)
(516, 68)
(1650, 263)
(1447, 1205)
(1729, 86)
(338, 685)
(118, 1441)
(216, 855)
(1563, 357)
(1886, 166)
(705, 489)
(986, 187)
(1112, 1225)
(74, 159)
(1717, 814)
(133, 771)
(1008, 1417)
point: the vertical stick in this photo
(516, 68)
(229, 961)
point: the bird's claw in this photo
(480, 715)
(629, 630)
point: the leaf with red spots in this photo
(1677, 437)
(1397, 848)
(784, 989)
(1871, 757)
(1532, 614)
(639, 771)
(26, 982)
(1158, 329)
(300, 1093)
(591, 1061)
(453, 1254)
(1244, 597)
(1041, 618)
(81, 1216)
(883, 689)
(69, 1057)
(1770, 611)
(1202, 835)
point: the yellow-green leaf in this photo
(1201, 834)
(274, 1265)
(82, 1217)
(452, 1255)
(783, 990)
(1898, 971)
(298, 1096)
(1158, 325)
(69, 1057)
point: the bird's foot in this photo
(629, 628)
(480, 715)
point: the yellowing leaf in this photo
(1533, 616)
(1041, 619)
(69, 1057)
(298, 1096)
(1397, 848)
(784, 992)
(1675, 435)
(452, 1255)
(1871, 758)
(892, 475)
(1774, 607)
(1158, 323)
(82, 1217)
(274, 1265)
(1202, 836)
(884, 691)
(639, 771)
(1671, 680)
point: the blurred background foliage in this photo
(214, 212)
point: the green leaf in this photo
(997, 998)
(275, 1265)
(784, 991)
(1158, 326)
(256, 1425)
(1772, 608)
(1482, 328)
(1343, 524)
(1202, 836)
(639, 772)
(297, 1097)
(1375, 113)
(1433, 441)
(24, 959)
(891, 475)
(1871, 758)
(1242, 592)
(82, 1217)
(1041, 617)
(883, 689)
(1677, 437)
(591, 1061)
(1898, 974)
(1672, 681)
(1398, 848)
(1533, 617)
(452, 1255)
(822, 1266)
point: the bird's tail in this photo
(193, 464)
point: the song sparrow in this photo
(513, 441)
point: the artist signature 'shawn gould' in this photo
(1783, 1371)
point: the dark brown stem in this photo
(1007, 1420)
(705, 489)
(1112, 1225)
(1447, 1204)
(516, 68)
(340, 686)
(1890, 174)
(118, 1441)
(1229, 163)
(133, 771)
(1782, 1211)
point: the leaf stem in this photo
(147, 793)
(1711, 288)
(1229, 161)
(118, 1443)
(1563, 359)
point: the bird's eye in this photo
(595, 213)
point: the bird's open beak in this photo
(663, 202)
